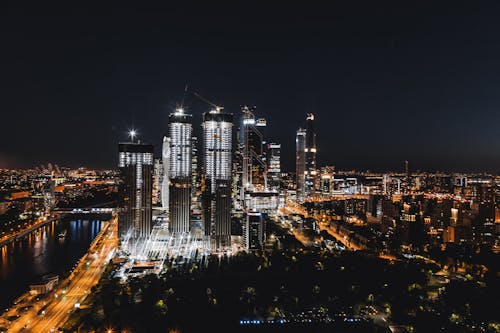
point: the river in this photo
(43, 252)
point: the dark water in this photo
(42, 252)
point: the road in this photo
(293, 208)
(342, 239)
(301, 238)
(71, 291)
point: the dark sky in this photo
(388, 81)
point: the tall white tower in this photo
(217, 153)
(180, 132)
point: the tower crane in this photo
(215, 106)
(179, 107)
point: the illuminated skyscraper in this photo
(157, 181)
(136, 165)
(180, 131)
(252, 151)
(254, 190)
(274, 165)
(311, 172)
(217, 144)
(260, 170)
(254, 231)
(194, 165)
(326, 181)
(49, 197)
(300, 161)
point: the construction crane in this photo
(215, 106)
(181, 104)
(179, 107)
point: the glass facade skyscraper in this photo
(180, 132)
(274, 165)
(300, 162)
(252, 151)
(217, 155)
(311, 172)
(254, 231)
(135, 162)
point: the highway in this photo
(71, 291)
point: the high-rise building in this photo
(180, 132)
(326, 181)
(136, 168)
(252, 151)
(157, 181)
(254, 231)
(311, 172)
(261, 126)
(194, 166)
(166, 173)
(274, 165)
(217, 153)
(254, 191)
(407, 179)
(49, 197)
(300, 162)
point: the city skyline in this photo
(250, 167)
(288, 164)
(381, 95)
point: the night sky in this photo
(388, 81)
